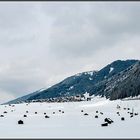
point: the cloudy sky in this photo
(41, 43)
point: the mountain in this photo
(105, 82)
(126, 84)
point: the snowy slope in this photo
(72, 123)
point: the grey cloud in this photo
(107, 25)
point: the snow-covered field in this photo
(72, 123)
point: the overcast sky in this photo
(41, 43)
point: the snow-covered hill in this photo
(72, 123)
(93, 82)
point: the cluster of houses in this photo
(76, 98)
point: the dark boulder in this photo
(104, 124)
(86, 114)
(20, 122)
(108, 120)
(47, 116)
(101, 113)
(122, 118)
(96, 116)
(136, 114)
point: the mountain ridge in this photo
(93, 82)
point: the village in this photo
(77, 98)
